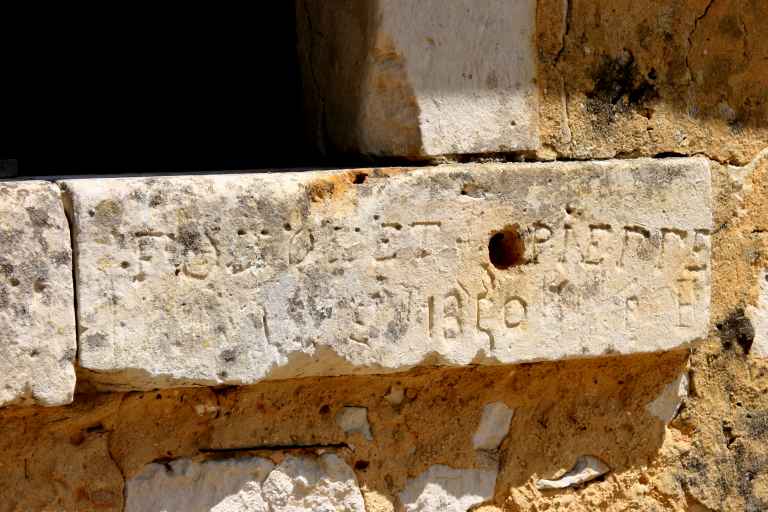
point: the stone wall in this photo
(548, 291)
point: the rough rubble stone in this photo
(493, 427)
(421, 78)
(37, 311)
(230, 279)
(448, 489)
(248, 484)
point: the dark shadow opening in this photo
(506, 248)
(155, 91)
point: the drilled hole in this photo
(14, 281)
(125, 264)
(506, 248)
(241, 232)
(360, 178)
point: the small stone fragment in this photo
(494, 426)
(354, 420)
(586, 468)
(666, 405)
(447, 489)
(395, 395)
(37, 306)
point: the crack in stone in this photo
(690, 38)
(313, 446)
(568, 16)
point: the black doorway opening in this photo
(157, 92)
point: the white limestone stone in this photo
(354, 420)
(438, 76)
(587, 468)
(758, 315)
(249, 484)
(37, 309)
(230, 279)
(666, 405)
(448, 489)
(494, 426)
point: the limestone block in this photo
(230, 279)
(248, 484)
(37, 310)
(448, 489)
(426, 77)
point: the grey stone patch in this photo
(354, 420)
(37, 311)
(493, 427)
(666, 405)
(758, 315)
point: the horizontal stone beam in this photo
(231, 279)
(37, 308)
(420, 78)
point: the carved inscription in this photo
(250, 277)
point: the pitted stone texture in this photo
(249, 484)
(448, 489)
(231, 279)
(37, 310)
(427, 77)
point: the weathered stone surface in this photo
(667, 404)
(248, 484)
(37, 318)
(237, 278)
(354, 420)
(448, 489)
(421, 78)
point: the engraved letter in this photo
(515, 311)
